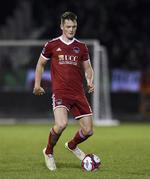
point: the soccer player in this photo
(67, 57)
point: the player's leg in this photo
(81, 135)
(84, 133)
(61, 119)
(82, 111)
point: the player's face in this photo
(69, 28)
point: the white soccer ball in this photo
(91, 162)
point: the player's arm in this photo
(89, 75)
(38, 90)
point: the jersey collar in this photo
(67, 43)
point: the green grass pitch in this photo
(124, 152)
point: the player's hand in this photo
(38, 91)
(91, 87)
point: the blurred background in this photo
(121, 26)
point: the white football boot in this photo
(49, 161)
(77, 152)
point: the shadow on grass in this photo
(62, 165)
(68, 165)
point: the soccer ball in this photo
(91, 162)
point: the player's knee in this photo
(62, 126)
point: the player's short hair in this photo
(69, 16)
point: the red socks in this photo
(52, 140)
(78, 138)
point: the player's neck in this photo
(65, 39)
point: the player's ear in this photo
(61, 26)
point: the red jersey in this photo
(66, 64)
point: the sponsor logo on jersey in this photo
(76, 50)
(68, 59)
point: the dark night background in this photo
(122, 26)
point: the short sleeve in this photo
(85, 55)
(46, 51)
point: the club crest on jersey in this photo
(76, 50)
